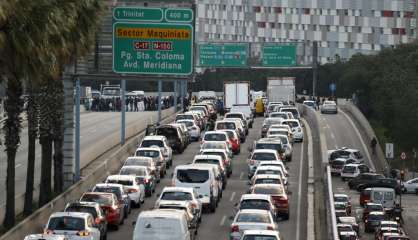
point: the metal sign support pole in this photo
(123, 112)
(175, 95)
(77, 131)
(160, 86)
(182, 95)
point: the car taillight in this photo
(280, 200)
(194, 205)
(97, 220)
(146, 181)
(83, 233)
(252, 162)
(270, 228)
(48, 231)
(132, 190)
(234, 228)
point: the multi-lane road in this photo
(216, 225)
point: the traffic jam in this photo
(196, 188)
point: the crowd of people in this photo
(132, 104)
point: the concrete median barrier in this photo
(110, 165)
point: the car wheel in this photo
(213, 206)
(104, 237)
(416, 191)
(116, 227)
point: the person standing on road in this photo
(373, 144)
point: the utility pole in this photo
(315, 67)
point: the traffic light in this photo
(402, 175)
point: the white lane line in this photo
(361, 139)
(299, 194)
(232, 197)
(332, 136)
(18, 165)
(241, 175)
(222, 221)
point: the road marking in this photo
(332, 135)
(336, 146)
(241, 175)
(232, 197)
(361, 139)
(223, 221)
(299, 194)
(18, 165)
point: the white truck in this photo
(281, 89)
(236, 93)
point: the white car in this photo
(288, 149)
(162, 143)
(350, 171)
(225, 158)
(156, 154)
(192, 127)
(329, 107)
(251, 219)
(261, 234)
(410, 186)
(275, 164)
(278, 115)
(211, 136)
(131, 185)
(45, 237)
(258, 156)
(344, 152)
(182, 194)
(296, 127)
(144, 161)
(217, 145)
(280, 131)
(272, 170)
(74, 225)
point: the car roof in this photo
(121, 177)
(163, 213)
(84, 204)
(70, 214)
(185, 120)
(388, 222)
(203, 156)
(135, 167)
(154, 137)
(376, 213)
(109, 185)
(215, 132)
(382, 189)
(213, 150)
(140, 158)
(269, 140)
(264, 150)
(148, 149)
(177, 189)
(255, 196)
(262, 232)
(269, 176)
(340, 195)
(196, 166)
(270, 167)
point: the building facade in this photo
(341, 27)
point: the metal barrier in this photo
(331, 207)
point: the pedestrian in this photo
(373, 144)
(136, 104)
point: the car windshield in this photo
(184, 116)
(283, 139)
(84, 209)
(267, 181)
(278, 132)
(187, 123)
(349, 169)
(102, 199)
(168, 132)
(292, 124)
(264, 156)
(215, 137)
(176, 196)
(225, 125)
(373, 217)
(66, 223)
(268, 171)
(221, 154)
(149, 143)
(374, 207)
(192, 175)
(348, 237)
(213, 145)
(253, 217)
(272, 146)
(268, 190)
(279, 115)
(345, 228)
(122, 182)
(209, 161)
(292, 110)
(147, 153)
(114, 190)
(255, 204)
(136, 162)
(339, 206)
(234, 115)
(340, 199)
(133, 171)
(259, 237)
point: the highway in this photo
(98, 130)
(339, 132)
(216, 225)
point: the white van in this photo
(162, 224)
(201, 177)
(384, 196)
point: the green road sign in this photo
(223, 55)
(179, 15)
(153, 48)
(138, 14)
(279, 55)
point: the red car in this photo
(234, 141)
(109, 204)
(365, 196)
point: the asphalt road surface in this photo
(96, 127)
(339, 132)
(216, 225)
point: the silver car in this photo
(329, 107)
(251, 219)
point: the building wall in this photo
(341, 27)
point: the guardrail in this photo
(331, 205)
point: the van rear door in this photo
(199, 179)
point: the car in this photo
(410, 186)
(373, 221)
(280, 131)
(395, 236)
(94, 209)
(193, 129)
(310, 103)
(371, 207)
(293, 110)
(257, 201)
(109, 204)
(344, 152)
(266, 179)
(261, 234)
(118, 190)
(278, 115)
(163, 224)
(276, 164)
(189, 116)
(79, 225)
(341, 227)
(184, 132)
(246, 110)
(350, 171)
(337, 165)
(342, 206)
(162, 143)
(182, 194)
(287, 146)
(174, 135)
(144, 161)
(239, 115)
(351, 221)
(279, 196)
(267, 123)
(214, 160)
(258, 156)
(269, 143)
(351, 235)
(232, 125)
(216, 136)
(143, 176)
(386, 231)
(251, 219)
(272, 170)
(363, 178)
(45, 237)
(157, 156)
(201, 177)
(381, 182)
(329, 107)
(338, 197)
(296, 127)
(233, 140)
(192, 219)
(216, 145)
(225, 158)
(131, 185)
